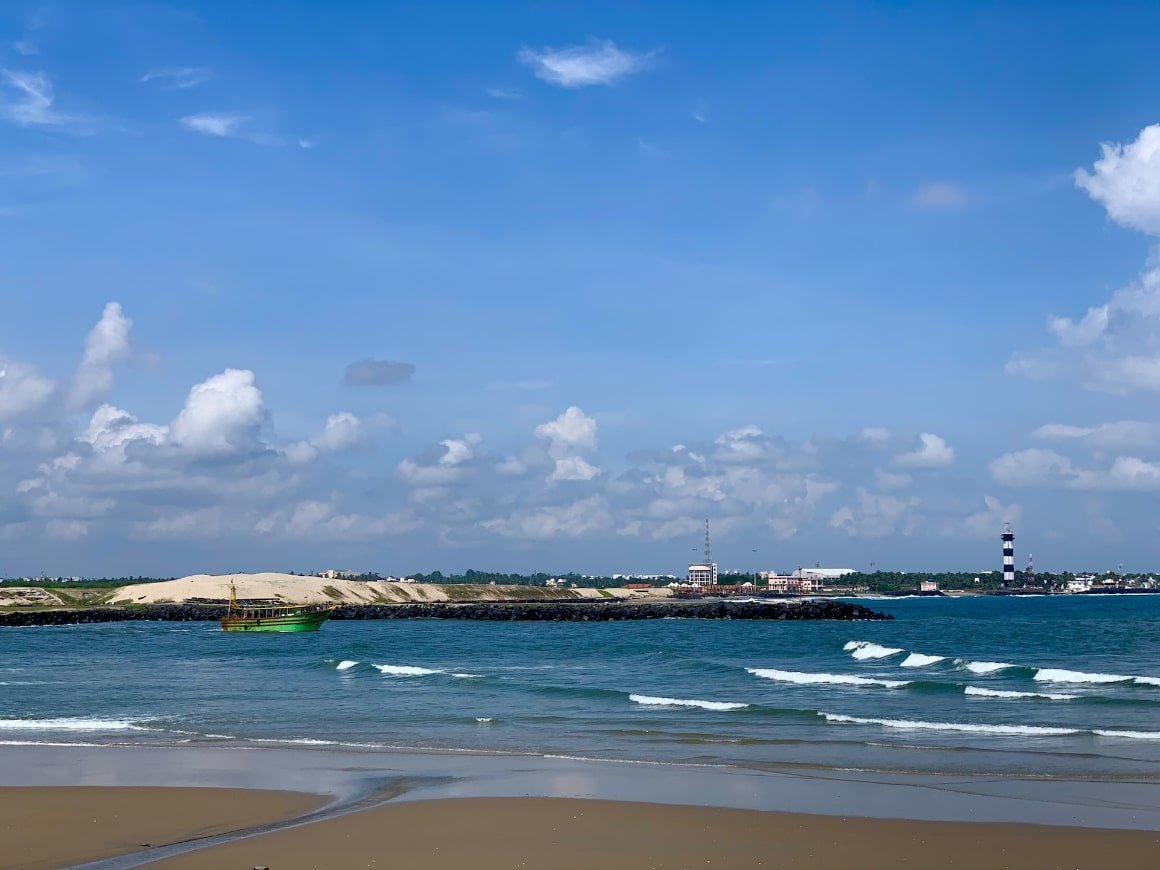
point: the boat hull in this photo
(306, 621)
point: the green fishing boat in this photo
(274, 617)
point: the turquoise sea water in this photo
(1047, 686)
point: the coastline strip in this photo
(571, 834)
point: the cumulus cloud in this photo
(573, 468)
(341, 431)
(1115, 346)
(600, 62)
(577, 519)
(572, 430)
(934, 452)
(1126, 181)
(23, 390)
(983, 524)
(222, 415)
(106, 345)
(875, 516)
(222, 125)
(377, 373)
(1035, 467)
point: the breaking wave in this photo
(983, 667)
(345, 665)
(406, 671)
(864, 649)
(918, 660)
(917, 725)
(682, 702)
(1059, 675)
(1129, 735)
(805, 679)
(1000, 693)
(69, 723)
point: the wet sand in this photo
(58, 826)
(569, 834)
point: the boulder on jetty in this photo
(572, 611)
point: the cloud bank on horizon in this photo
(215, 267)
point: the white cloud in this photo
(342, 431)
(180, 77)
(573, 468)
(106, 345)
(875, 516)
(1048, 469)
(1126, 181)
(875, 434)
(1125, 433)
(222, 415)
(224, 125)
(597, 63)
(23, 390)
(28, 101)
(892, 480)
(986, 523)
(577, 519)
(1113, 346)
(934, 453)
(940, 195)
(460, 450)
(572, 430)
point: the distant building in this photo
(793, 584)
(704, 574)
(335, 574)
(823, 574)
(928, 586)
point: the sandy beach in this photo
(503, 833)
(59, 826)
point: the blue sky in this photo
(826, 275)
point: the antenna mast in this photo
(708, 545)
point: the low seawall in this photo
(573, 611)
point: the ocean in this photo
(1061, 686)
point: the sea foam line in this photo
(969, 727)
(1002, 693)
(406, 671)
(1059, 675)
(69, 723)
(648, 700)
(864, 649)
(983, 667)
(806, 679)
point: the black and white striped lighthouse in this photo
(1008, 556)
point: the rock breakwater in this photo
(576, 611)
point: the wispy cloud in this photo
(504, 94)
(700, 114)
(600, 62)
(27, 100)
(940, 194)
(208, 124)
(180, 77)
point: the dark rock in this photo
(559, 611)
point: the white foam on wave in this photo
(483, 720)
(970, 727)
(648, 700)
(467, 676)
(1059, 675)
(918, 660)
(805, 679)
(864, 649)
(69, 723)
(42, 743)
(406, 671)
(1129, 735)
(983, 667)
(345, 665)
(1003, 693)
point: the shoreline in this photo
(343, 800)
(119, 828)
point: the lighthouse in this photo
(1008, 537)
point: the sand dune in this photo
(318, 590)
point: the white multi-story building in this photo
(704, 574)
